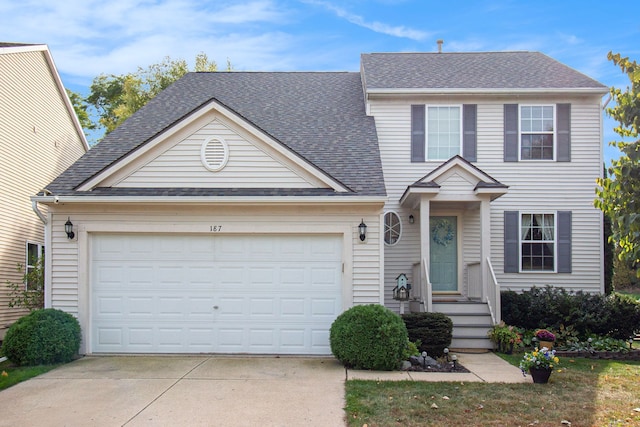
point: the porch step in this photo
(471, 323)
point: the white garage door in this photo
(230, 294)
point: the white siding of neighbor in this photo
(250, 165)
(70, 258)
(533, 186)
(38, 140)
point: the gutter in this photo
(486, 91)
(202, 200)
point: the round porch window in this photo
(392, 228)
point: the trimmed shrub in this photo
(369, 337)
(42, 337)
(615, 315)
(434, 330)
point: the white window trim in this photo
(555, 241)
(384, 228)
(426, 130)
(26, 257)
(555, 132)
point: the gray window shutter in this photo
(510, 132)
(564, 241)
(417, 133)
(563, 132)
(469, 138)
(511, 242)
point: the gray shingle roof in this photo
(320, 116)
(478, 70)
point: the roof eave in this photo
(246, 200)
(485, 91)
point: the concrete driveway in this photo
(180, 391)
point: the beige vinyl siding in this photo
(248, 166)
(38, 141)
(540, 186)
(70, 259)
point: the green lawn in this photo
(635, 293)
(584, 392)
(11, 374)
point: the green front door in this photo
(443, 259)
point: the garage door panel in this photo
(230, 294)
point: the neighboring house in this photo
(40, 137)
(225, 216)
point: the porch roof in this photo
(435, 183)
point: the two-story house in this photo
(242, 212)
(40, 137)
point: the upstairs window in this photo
(537, 132)
(439, 132)
(444, 130)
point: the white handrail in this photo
(493, 294)
(427, 291)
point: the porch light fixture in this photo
(412, 219)
(363, 230)
(68, 228)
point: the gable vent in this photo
(214, 154)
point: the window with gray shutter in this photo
(417, 133)
(563, 124)
(511, 132)
(564, 241)
(511, 242)
(469, 137)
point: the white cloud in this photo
(378, 27)
(89, 37)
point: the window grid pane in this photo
(443, 136)
(537, 236)
(536, 128)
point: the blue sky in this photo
(90, 37)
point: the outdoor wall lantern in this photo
(412, 219)
(68, 228)
(363, 230)
(401, 291)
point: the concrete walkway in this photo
(207, 390)
(484, 367)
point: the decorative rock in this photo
(420, 361)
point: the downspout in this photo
(47, 259)
(34, 206)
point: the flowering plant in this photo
(539, 359)
(505, 336)
(545, 335)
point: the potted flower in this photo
(505, 337)
(545, 337)
(539, 363)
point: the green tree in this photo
(619, 193)
(116, 97)
(80, 107)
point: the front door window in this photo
(443, 265)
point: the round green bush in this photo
(42, 337)
(369, 337)
(433, 330)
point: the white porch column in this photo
(425, 238)
(485, 243)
